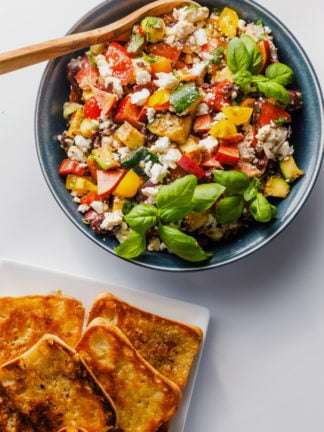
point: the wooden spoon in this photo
(118, 30)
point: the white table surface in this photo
(263, 365)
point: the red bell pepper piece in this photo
(91, 108)
(227, 154)
(107, 181)
(190, 166)
(271, 113)
(233, 140)
(105, 100)
(212, 162)
(93, 167)
(202, 123)
(264, 48)
(69, 166)
(127, 111)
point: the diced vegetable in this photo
(129, 185)
(276, 187)
(195, 220)
(88, 127)
(154, 28)
(138, 158)
(264, 47)
(228, 22)
(191, 149)
(162, 64)
(202, 123)
(159, 100)
(228, 154)
(191, 167)
(104, 157)
(185, 98)
(80, 184)
(175, 128)
(91, 109)
(70, 108)
(289, 169)
(269, 112)
(164, 50)
(137, 41)
(127, 111)
(223, 129)
(108, 181)
(105, 100)
(69, 166)
(88, 75)
(130, 136)
(122, 67)
(237, 114)
(75, 121)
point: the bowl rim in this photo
(204, 265)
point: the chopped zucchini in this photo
(290, 170)
(88, 127)
(69, 108)
(105, 158)
(276, 187)
(130, 136)
(175, 128)
(137, 160)
(185, 98)
(75, 121)
(98, 48)
(154, 28)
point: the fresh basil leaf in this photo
(254, 52)
(261, 209)
(177, 194)
(174, 214)
(259, 78)
(133, 246)
(206, 195)
(229, 209)
(182, 245)
(251, 191)
(275, 90)
(235, 181)
(142, 217)
(280, 73)
(274, 211)
(243, 78)
(237, 56)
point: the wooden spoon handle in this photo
(119, 30)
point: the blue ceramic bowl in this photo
(307, 128)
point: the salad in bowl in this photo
(181, 136)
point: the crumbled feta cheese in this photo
(199, 68)
(150, 192)
(142, 77)
(140, 97)
(123, 232)
(242, 24)
(208, 144)
(170, 158)
(98, 206)
(154, 244)
(156, 172)
(202, 109)
(103, 66)
(273, 141)
(180, 30)
(75, 153)
(82, 142)
(83, 208)
(161, 145)
(111, 219)
(123, 152)
(246, 148)
(201, 37)
(150, 113)
(190, 14)
(166, 80)
(116, 85)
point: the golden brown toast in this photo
(10, 419)
(169, 346)
(143, 397)
(52, 386)
(24, 320)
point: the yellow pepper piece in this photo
(228, 22)
(223, 129)
(79, 184)
(238, 115)
(129, 185)
(160, 97)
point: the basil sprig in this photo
(231, 192)
(244, 59)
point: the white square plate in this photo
(18, 279)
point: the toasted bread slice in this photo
(51, 385)
(143, 397)
(24, 320)
(10, 419)
(169, 346)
